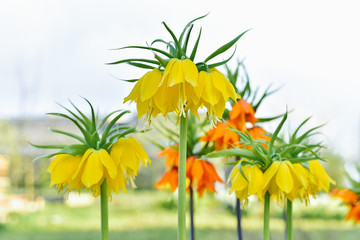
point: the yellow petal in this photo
(210, 93)
(284, 179)
(223, 85)
(93, 170)
(108, 162)
(176, 74)
(190, 71)
(255, 180)
(140, 151)
(65, 168)
(270, 172)
(150, 83)
(135, 92)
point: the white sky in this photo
(54, 50)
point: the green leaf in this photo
(135, 60)
(178, 46)
(93, 119)
(147, 48)
(298, 128)
(232, 153)
(141, 65)
(190, 24)
(122, 134)
(109, 126)
(187, 39)
(83, 121)
(270, 118)
(68, 134)
(85, 133)
(193, 53)
(222, 62)
(225, 47)
(274, 136)
(106, 118)
(168, 44)
(75, 149)
(48, 146)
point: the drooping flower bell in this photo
(184, 85)
(104, 154)
(201, 174)
(245, 187)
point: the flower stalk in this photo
(182, 179)
(289, 220)
(267, 216)
(104, 212)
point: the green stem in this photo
(267, 216)
(289, 220)
(104, 212)
(182, 180)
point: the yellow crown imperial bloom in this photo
(214, 91)
(128, 153)
(95, 164)
(143, 94)
(282, 180)
(321, 179)
(62, 169)
(175, 88)
(252, 185)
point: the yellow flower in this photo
(214, 91)
(322, 179)
(62, 169)
(94, 166)
(246, 187)
(176, 86)
(128, 153)
(282, 181)
(143, 94)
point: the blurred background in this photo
(52, 51)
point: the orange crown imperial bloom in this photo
(241, 113)
(348, 196)
(354, 213)
(222, 136)
(202, 175)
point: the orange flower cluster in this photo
(352, 200)
(200, 173)
(223, 137)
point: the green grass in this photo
(152, 215)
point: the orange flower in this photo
(222, 136)
(169, 180)
(172, 156)
(346, 195)
(202, 174)
(354, 213)
(241, 113)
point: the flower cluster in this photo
(284, 170)
(176, 83)
(109, 157)
(201, 174)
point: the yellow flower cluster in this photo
(180, 88)
(92, 168)
(282, 179)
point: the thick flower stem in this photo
(267, 216)
(238, 216)
(104, 212)
(182, 180)
(289, 220)
(192, 228)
